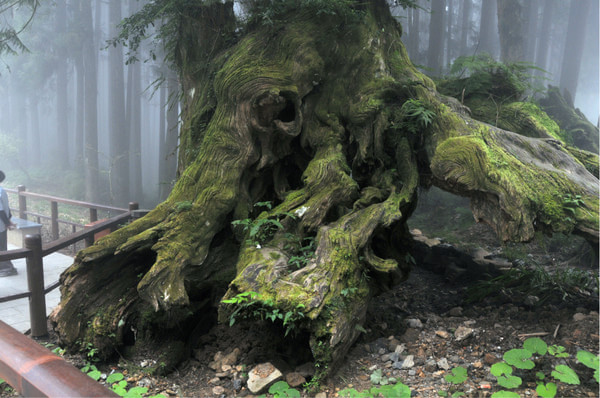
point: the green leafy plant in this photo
(558, 351)
(565, 374)
(281, 389)
(398, 390)
(458, 375)
(263, 228)
(591, 361)
(253, 305)
(304, 253)
(522, 359)
(519, 358)
(416, 116)
(503, 373)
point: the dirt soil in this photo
(416, 334)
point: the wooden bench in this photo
(17, 235)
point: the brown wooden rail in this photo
(29, 368)
(22, 193)
(34, 371)
(34, 253)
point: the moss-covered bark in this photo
(309, 116)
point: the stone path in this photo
(16, 313)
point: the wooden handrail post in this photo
(134, 206)
(35, 282)
(22, 202)
(93, 214)
(54, 217)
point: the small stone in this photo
(462, 332)
(221, 375)
(392, 344)
(214, 365)
(579, 317)
(442, 333)
(408, 362)
(295, 379)
(231, 358)
(443, 364)
(490, 359)
(145, 382)
(237, 384)
(226, 368)
(531, 301)
(414, 323)
(400, 348)
(214, 380)
(382, 351)
(321, 395)
(363, 377)
(385, 357)
(373, 367)
(218, 390)
(394, 357)
(477, 364)
(306, 370)
(412, 372)
(456, 311)
(262, 376)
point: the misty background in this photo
(78, 120)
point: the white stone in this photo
(262, 376)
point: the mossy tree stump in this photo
(308, 116)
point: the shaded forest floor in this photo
(418, 332)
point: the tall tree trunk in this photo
(571, 61)
(79, 108)
(118, 130)
(414, 34)
(531, 22)
(487, 27)
(134, 121)
(163, 153)
(541, 54)
(171, 134)
(34, 154)
(91, 105)
(62, 119)
(449, 35)
(511, 30)
(465, 26)
(436, 34)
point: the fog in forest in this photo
(79, 121)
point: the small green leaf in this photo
(279, 387)
(505, 394)
(509, 381)
(558, 351)
(376, 376)
(519, 358)
(546, 390)
(588, 359)
(501, 368)
(458, 376)
(458, 394)
(95, 374)
(540, 375)
(565, 374)
(442, 393)
(536, 345)
(115, 377)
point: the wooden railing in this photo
(54, 219)
(35, 251)
(30, 368)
